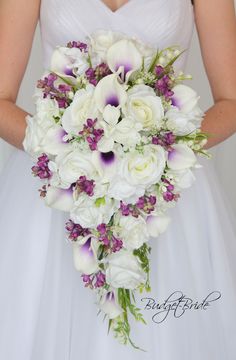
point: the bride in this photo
(45, 312)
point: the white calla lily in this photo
(109, 305)
(60, 199)
(181, 157)
(123, 57)
(184, 98)
(65, 59)
(156, 225)
(53, 142)
(85, 255)
(110, 92)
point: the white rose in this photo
(90, 213)
(183, 178)
(102, 40)
(81, 109)
(145, 106)
(133, 232)
(144, 169)
(46, 109)
(181, 123)
(124, 270)
(34, 134)
(156, 225)
(73, 165)
(120, 189)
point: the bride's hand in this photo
(18, 21)
(216, 26)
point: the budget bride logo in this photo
(177, 304)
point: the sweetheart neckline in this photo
(118, 9)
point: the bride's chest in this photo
(159, 22)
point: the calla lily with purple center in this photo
(60, 199)
(124, 58)
(184, 98)
(181, 157)
(110, 92)
(109, 305)
(54, 141)
(65, 60)
(85, 255)
(106, 164)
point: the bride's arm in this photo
(216, 26)
(18, 21)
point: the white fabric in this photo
(45, 312)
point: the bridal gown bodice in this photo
(158, 22)
(45, 311)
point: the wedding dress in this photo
(45, 311)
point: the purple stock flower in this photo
(146, 203)
(41, 169)
(85, 185)
(100, 280)
(169, 194)
(94, 281)
(166, 140)
(53, 91)
(91, 134)
(163, 87)
(159, 70)
(76, 230)
(129, 209)
(79, 45)
(102, 229)
(117, 244)
(95, 75)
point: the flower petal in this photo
(110, 92)
(156, 225)
(59, 199)
(124, 57)
(84, 256)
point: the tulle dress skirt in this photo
(47, 314)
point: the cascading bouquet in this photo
(115, 138)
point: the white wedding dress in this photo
(45, 311)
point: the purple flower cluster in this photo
(91, 134)
(95, 75)
(164, 83)
(53, 91)
(94, 281)
(169, 194)
(43, 191)
(165, 140)
(41, 169)
(85, 185)
(145, 203)
(79, 45)
(75, 230)
(128, 209)
(108, 239)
